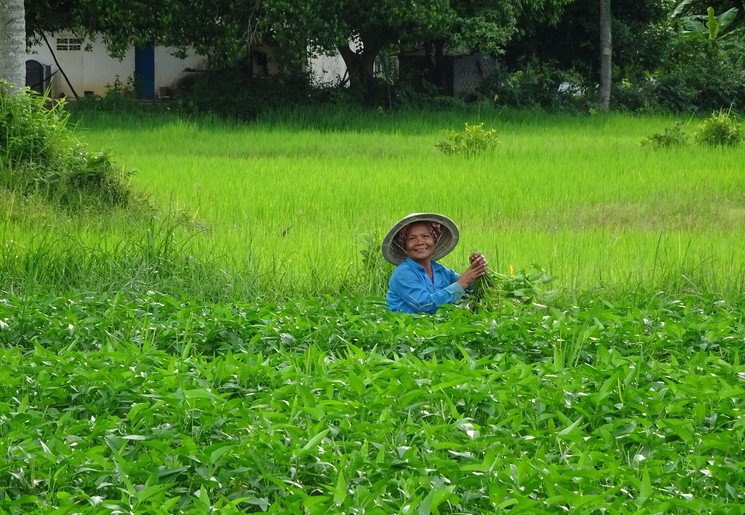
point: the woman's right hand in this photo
(477, 269)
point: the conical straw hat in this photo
(445, 244)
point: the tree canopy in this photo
(224, 31)
(552, 41)
(359, 30)
(220, 30)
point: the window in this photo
(69, 43)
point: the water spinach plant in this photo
(491, 290)
(121, 403)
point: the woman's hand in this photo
(477, 269)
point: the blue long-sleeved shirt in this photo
(410, 290)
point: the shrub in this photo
(719, 129)
(42, 156)
(537, 85)
(636, 94)
(119, 97)
(699, 75)
(474, 139)
(672, 137)
(238, 95)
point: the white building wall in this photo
(327, 70)
(169, 70)
(95, 71)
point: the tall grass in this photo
(41, 157)
(161, 254)
(295, 198)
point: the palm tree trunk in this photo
(605, 54)
(13, 43)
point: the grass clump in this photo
(472, 140)
(41, 156)
(719, 130)
(375, 269)
(673, 136)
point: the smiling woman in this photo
(420, 284)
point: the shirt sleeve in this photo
(409, 288)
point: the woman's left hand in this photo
(476, 255)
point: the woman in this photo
(420, 284)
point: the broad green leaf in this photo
(645, 490)
(340, 492)
(311, 445)
(571, 428)
(434, 498)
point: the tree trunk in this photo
(13, 43)
(435, 51)
(605, 54)
(360, 64)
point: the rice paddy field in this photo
(227, 349)
(578, 196)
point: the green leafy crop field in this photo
(151, 404)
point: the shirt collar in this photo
(416, 265)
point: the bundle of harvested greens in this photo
(491, 290)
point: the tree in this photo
(224, 31)
(221, 30)
(639, 30)
(605, 54)
(13, 43)
(704, 65)
(692, 8)
(710, 24)
(359, 30)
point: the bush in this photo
(538, 85)
(471, 141)
(672, 137)
(42, 156)
(699, 75)
(238, 95)
(634, 94)
(120, 97)
(719, 129)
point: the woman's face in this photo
(420, 242)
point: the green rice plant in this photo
(673, 136)
(471, 141)
(375, 269)
(41, 156)
(719, 130)
(160, 254)
(577, 195)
